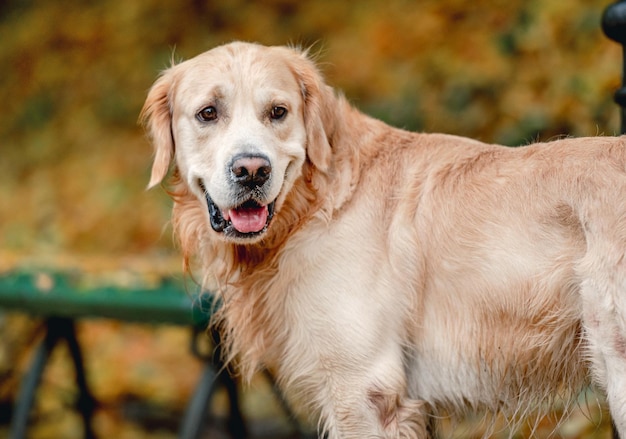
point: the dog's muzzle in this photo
(246, 220)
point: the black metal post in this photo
(614, 26)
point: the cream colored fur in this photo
(402, 273)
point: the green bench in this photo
(62, 298)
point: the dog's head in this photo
(239, 122)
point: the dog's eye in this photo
(207, 114)
(278, 113)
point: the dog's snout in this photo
(251, 170)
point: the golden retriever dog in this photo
(385, 276)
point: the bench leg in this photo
(196, 410)
(29, 385)
(194, 415)
(86, 403)
(56, 329)
(236, 423)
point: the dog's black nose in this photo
(250, 170)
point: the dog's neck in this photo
(357, 141)
(346, 143)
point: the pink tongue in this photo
(248, 220)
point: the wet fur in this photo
(405, 273)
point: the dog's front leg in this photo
(377, 413)
(361, 397)
(604, 318)
(352, 382)
(609, 368)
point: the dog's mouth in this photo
(246, 220)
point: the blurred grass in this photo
(74, 163)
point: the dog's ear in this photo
(156, 116)
(318, 119)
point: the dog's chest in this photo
(339, 303)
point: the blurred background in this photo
(74, 163)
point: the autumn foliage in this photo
(74, 162)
